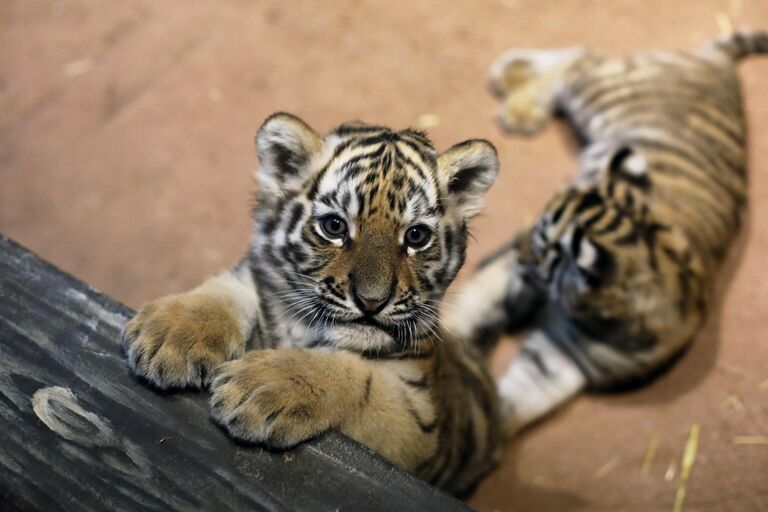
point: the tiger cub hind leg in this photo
(529, 82)
(539, 379)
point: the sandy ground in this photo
(126, 156)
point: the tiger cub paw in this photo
(523, 113)
(269, 397)
(510, 72)
(177, 341)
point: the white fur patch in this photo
(636, 165)
(567, 237)
(236, 287)
(587, 254)
(358, 337)
(527, 393)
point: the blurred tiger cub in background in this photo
(616, 275)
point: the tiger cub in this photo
(330, 320)
(616, 275)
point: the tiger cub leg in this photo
(493, 300)
(529, 82)
(176, 341)
(539, 379)
(286, 396)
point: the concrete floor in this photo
(126, 154)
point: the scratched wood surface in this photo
(78, 432)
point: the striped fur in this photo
(323, 330)
(617, 275)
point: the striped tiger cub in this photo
(615, 277)
(330, 320)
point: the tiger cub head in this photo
(360, 232)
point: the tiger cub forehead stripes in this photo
(379, 176)
(400, 211)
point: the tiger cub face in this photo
(360, 232)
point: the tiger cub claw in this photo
(178, 341)
(265, 398)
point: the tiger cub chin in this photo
(330, 320)
(616, 276)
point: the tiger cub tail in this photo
(740, 44)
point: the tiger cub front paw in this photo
(270, 397)
(177, 341)
(523, 113)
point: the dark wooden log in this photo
(78, 432)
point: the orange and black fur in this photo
(616, 276)
(330, 320)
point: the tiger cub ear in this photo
(466, 171)
(285, 145)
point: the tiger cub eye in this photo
(333, 226)
(417, 237)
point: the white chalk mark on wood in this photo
(59, 409)
(114, 319)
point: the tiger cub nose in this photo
(369, 304)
